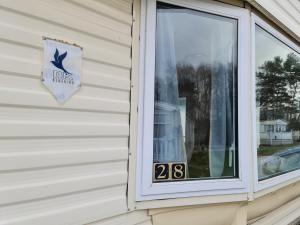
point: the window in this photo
(194, 138)
(195, 97)
(277, 91)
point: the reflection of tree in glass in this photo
(292, 72)
(195, 85)
(278, 88)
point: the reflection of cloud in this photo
(202, 38)
(267, 47)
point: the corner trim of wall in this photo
(134, 95)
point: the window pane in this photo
(195, 118)
(277, 105)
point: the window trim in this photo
(145, 188)
(289, 177)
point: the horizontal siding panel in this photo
(61, 144)
(23, 51)
(282, 11)
(290, 10)
(34, 184)
(19, 177)
(33, 30)
(103, 9)
(149, 222)
(19, 82)
(131, 218)
(39, 159)
(25, 192)
(67, 210)
(295, 4)
(90, 16)
(27, 128)
(32, 69)
(10, 96)
(114, 72)
(104, 80)
(50, 115)
(33, 46)
(38, 153)
(122, 5)
(44, 10)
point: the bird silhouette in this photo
(58, 61)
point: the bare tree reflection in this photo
(195, 85)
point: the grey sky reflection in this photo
(198, 35)
(267, 47)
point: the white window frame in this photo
(145, 188)
(282, 179)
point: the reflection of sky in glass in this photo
(267, 47)
(196, 34)
(277, 145)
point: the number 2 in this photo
(162, 175)
(161, 171)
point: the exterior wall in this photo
(65, 164)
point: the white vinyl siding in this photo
(287, 12)
(130, 218)
(65, 164)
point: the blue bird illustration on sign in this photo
(59, 60)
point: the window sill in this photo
(161, 205)
(269, 186)
(190, 201)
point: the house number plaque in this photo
(169, 171)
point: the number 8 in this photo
(178, 172)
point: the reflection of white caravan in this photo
(273, 132)
(296, 135)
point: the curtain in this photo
(221, 138)
(168, 134)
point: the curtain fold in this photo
(221, 117)
(168, 134)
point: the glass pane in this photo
(195, 118)
(277, 105)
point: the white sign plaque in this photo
(61, 68)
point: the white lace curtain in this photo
(221, 114)
(168, 136)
